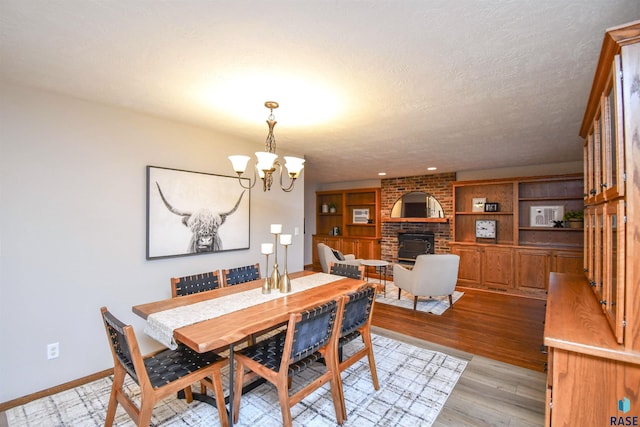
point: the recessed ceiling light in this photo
(382, 173)
(432, 168)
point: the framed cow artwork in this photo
(192, 213)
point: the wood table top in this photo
(233, 327)
(575, 321)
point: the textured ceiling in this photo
(364, 86)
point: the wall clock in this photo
(487, 229)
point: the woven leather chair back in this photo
(313, 330)
(247, 273)
(347, 270)
(188, 285)
(358, 309)
(119, 343)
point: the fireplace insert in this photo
(410, 245)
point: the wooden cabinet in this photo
(355, 216)
(533, 266)
(588, 370)
(484, 266)
(528, 246)
(592, 326)
(519, 270)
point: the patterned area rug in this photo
(433, 305)
(414, 386)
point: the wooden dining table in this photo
(234, 327)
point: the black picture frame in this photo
(491, 207)
(195, 213)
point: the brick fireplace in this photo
(440, 186)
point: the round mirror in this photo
(417, 204)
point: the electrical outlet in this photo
(53, 350)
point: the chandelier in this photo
(267, 160)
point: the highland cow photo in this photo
(190, 213)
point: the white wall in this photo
(73, 228)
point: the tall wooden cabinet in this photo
(349, 221)
(526, 248)
(592, 326)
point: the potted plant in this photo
(332, 207)
(574, 218)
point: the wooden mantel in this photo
(416, 220)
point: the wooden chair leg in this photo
(118, 380)
(188, 394)
(366, 338)
(451, 301)
(415, 303)
(237, 392)
(399, 292)
(218, 393)
(146, 408)
(285, 405)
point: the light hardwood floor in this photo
(489, 392)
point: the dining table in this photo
(230, 323)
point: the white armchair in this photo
(432, 275)
(326, 256)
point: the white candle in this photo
(276, 228)
(285, 239)
(267, 248)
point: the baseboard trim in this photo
(53, 390)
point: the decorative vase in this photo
(576, 223)
(325, 208)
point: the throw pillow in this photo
(338, 254)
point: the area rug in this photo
(414, 386)
(434, 305)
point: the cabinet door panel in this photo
(469, 270)
(368, 249)
(350, 246)
(532, 269)
(497, 267)
(568, 262)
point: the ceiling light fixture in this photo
(267, 160)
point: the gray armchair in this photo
(432, 275)
(326, 256)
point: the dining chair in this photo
(158, 376)
(235, 276)
(356, 321)
(310, 335)
(347, 270)
(188, 285)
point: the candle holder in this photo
(285, 282)
(275, 276)
(266, 286)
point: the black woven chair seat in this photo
(269, 353)
(170, 365)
